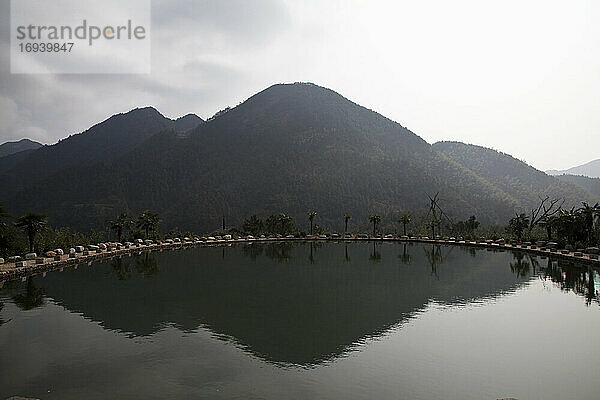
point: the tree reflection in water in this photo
(279, 252)
(566, 275)
(405, 258)
(314, 246)
(435, 257)
(523, 263)
(32, 298)
(375, 255)
(469, 250)
(120, 268)
(253, 250)
(146, 265)
(346, 255)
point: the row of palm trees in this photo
(148, 221)
(374, 219)
(33, 223)
(572, 226)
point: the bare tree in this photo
(547, 208)
(437, 214)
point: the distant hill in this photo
(590, 169)
(592, 185)
(9, 148)
(187, 122)
(291, 148)
(101, 144)
(516, 178)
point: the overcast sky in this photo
(522, 77)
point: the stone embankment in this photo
(18, 267)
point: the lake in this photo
(305, 320)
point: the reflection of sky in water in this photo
(272, 324)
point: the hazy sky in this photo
(521, 76)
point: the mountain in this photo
(293, 148)
(592, 185)
(590, 169)
(514, 177)
(187, 122)
(102, 143)
(9, 148)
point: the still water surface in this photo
(303, 321)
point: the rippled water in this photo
(305, 320)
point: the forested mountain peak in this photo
(101, 143)
(187, 122)
(9, 148)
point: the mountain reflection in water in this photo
(290, 303)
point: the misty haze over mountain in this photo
(590, 169)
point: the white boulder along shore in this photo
(34, 264)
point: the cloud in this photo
(517, 76)
(196, 47)
(242, 22)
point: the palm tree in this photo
(120, 224)
(375, 219)
(404, 220)
(32, 224)
(148, 221)
(518, 224)
(589, 214)
(311, 217)
(347, 217)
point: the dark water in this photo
(302, 321)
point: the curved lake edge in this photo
(10, 272)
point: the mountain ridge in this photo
(522, 181)
(290, 147)
(101, 143)
(13, 147)
(590, 169)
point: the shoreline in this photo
(9, 271)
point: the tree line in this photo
(31, 232)
(577, 227)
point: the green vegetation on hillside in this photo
(518, 180)
(292, 147)
(592, 185)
